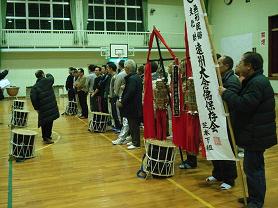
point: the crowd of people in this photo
(117, 90)
(114, 90)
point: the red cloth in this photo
(148, 110)
(161, 124)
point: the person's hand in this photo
(221, 90)
(119, 104)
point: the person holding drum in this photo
(44, 102)
(131, 102)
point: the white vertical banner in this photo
(210, 105)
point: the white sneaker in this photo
(127, 140)
(225, 186)
(211, 179)
(129, 143)
(117, 141)
(131, 147)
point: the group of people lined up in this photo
(250, 100)
(112, 89)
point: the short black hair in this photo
(254, 59)
(141, 69)
(91, 67)
(229, 61)
(72, 68)
(39, 74)
(81, 70)
(122, 63)
(154, 66)
(112, 65)
(218, 56)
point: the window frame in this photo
(50, 19)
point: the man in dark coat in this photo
(225, 170)
(44, 102)
(3, 74)
(255, 126)
(69, 85)
(131, 102)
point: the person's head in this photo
(91, 68)
(140, 70)
(39, 74)
(226, 63)
(98, 70)
(130, 66)
(249, 63)
(154, 66)
(103, 69)
(71, 70)
(121, 64)
(80, 72)
(75, 73)
(112, 68)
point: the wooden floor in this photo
(83, 169)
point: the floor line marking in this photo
(170, 180)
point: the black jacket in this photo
(3, 74)
(69, 82)
(255, 125)
(231, 82)
(44, 100)
(132, 96)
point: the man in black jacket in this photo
(3, 74)
(44, 102)
(69, 85)
(131, 102)
(225, 170)
(255, 126)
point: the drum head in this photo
(24, 132)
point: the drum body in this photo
(19, 118)
(72, 108)
(99, 121)
(18, 104)
(22, 143)
(160, 157)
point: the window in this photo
(42, 14)
(115, 15)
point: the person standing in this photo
(255, 126)
(44, 102)
(131, 102)
(3, 74)
(82, 92)
(225, 170)
(69, 85)
(91, 80)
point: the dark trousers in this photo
(71, 95)
(115, 113)
(224, 170)
(82, 96)
(134, 128)
(253, 166)
(47, 130)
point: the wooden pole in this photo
(240, 172)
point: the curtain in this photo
(145, 13)
(85, 11)
(3, 4)
(73, 18)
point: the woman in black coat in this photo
(44, 102)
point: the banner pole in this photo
(240, 172)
